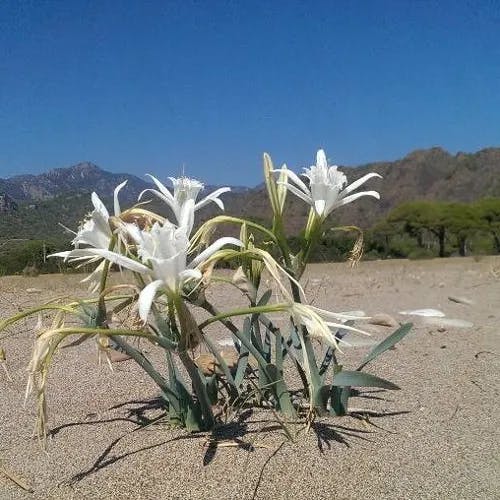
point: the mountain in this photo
(7, 204)
(432, 174)
(81, 178)
(61, 195)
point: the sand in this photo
(438, 437)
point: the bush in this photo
(31, 271)
(22, 256)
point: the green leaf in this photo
(280, 390)
(243, 359)
(339, 400)
(265, 298)
(359, 379)
(233, 388)
(266, 347)
(211, 383)
(386, 344)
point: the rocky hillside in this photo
(431, 174)
(425, 174)
(82, 178)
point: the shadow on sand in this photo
(237, 433)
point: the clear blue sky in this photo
(149, 86)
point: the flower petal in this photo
(146, 298)
(115, 196)
(342, 326)
(189, 274)
(342, 316)
(76, 255)
(359, 182)
(321, 159)
(163, 189)
(217, 245)
(352, 197)
(164, 194)
(296, 179)
(186, 216)
(99, 206)
(64, 255)
(113, 257)
(319, 206)
(213, 197)
(297, 192)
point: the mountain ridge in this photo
(79, 178)
(432, 174)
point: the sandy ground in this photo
(436, 438)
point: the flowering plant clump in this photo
(170, 269)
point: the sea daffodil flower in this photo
(96, 231)
(320, 323)
(183, 201)
(165, 249)
(327, 188)
(163, 256)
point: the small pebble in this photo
(383, 319)
(460, 300)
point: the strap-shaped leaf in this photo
(327, 359)
(339, 398)
(281, 391)
(265, 298)
(359, 379)
(233, 388)
(243, 358)
(386, 344)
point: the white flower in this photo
(320, 323)
(328, 188)
(165, 249)
(95, 232)
(163, 254)
(183, 202)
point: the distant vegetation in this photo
(34, 231)
(420, 229)
(424, 229)
(417, 229)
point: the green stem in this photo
(154, 339)
(235, 220)
(101, 305)
(199, 388)
(48, 307)
(69, 308)
(186, 323)
(315, 381)
(241, 312)
(313, 233)
(144, 363)
(237, 333)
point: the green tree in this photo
(462, 221)
(418, 217)
(488, 212)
